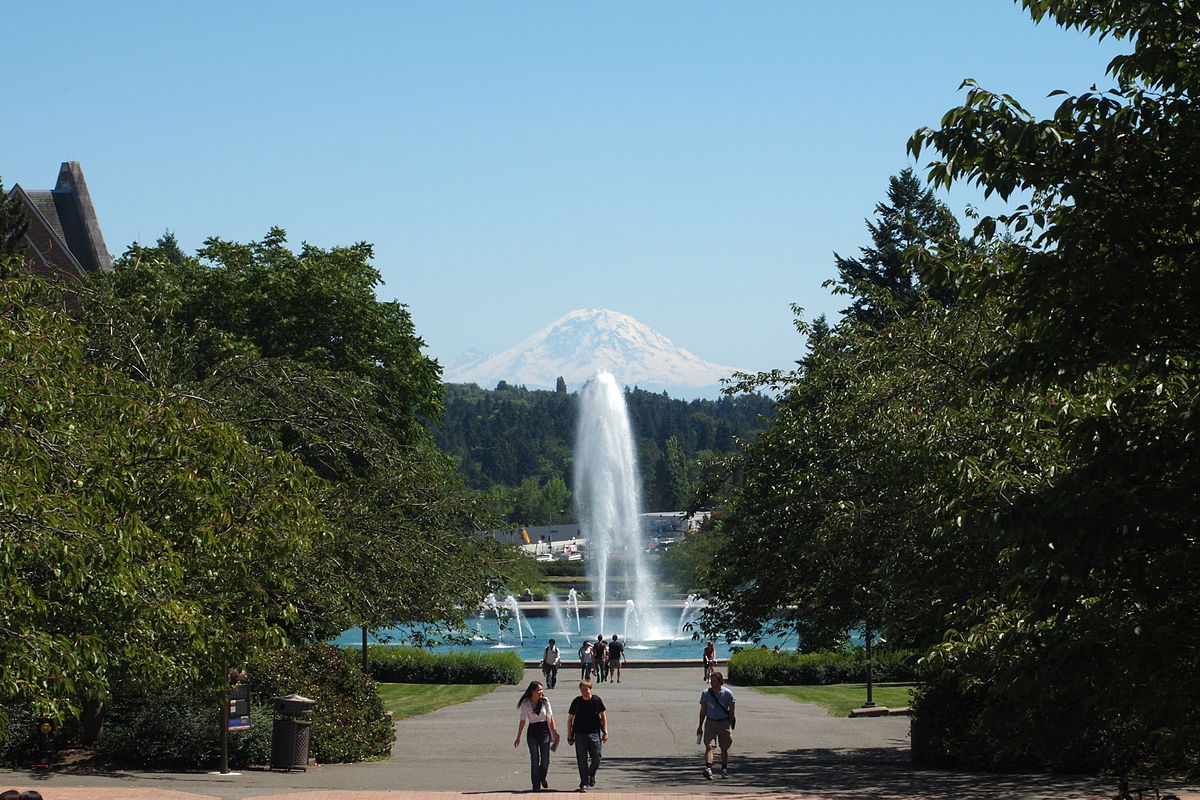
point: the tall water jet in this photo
(573, 600)
(631, 615)
(556, 610)
(510, 603)
(692, 607)
(608, 500)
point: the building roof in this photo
(64, 234)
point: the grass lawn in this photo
(840, 698)
(411, 699)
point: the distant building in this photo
(661, 528)
(64, 237)
(667, 523)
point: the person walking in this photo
(616, 655)
(535, 709)
(587, 729)
(716, 724)
(600, 658)
(551, 661)
(585, 660)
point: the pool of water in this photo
(493, 635)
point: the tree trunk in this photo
(92, 718)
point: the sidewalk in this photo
(781, 750)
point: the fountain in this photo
(608, 502)
(573, 600)
(556, 610)
(692, 607)
(491, 603)
(510, 603)
(631, 615)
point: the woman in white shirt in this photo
(535, 709)
(585, 661)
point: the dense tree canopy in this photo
(294, 350)
(1011, 479)
(136, 529)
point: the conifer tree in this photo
(883, 281)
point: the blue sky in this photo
(693, 164)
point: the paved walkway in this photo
(781, 750)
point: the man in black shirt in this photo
(616, 655)
(587, 729)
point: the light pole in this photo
(870, 702)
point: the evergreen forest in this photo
(515, 444)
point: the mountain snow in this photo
(585, 341)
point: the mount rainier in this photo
(586, 341)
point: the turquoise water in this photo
(488, 635)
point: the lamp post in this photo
(870, 701)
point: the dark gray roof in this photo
(66, 211)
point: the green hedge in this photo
(19, 744)
(959, 723)
(757, 667)
(178, 726)
(413, 665)
(566, 569)
(349, 721)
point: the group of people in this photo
(587, 729)
(602, 658)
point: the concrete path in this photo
(781, 750)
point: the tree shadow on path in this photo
(883, 773)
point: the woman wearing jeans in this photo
(535, 709)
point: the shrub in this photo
(349, 721)
(970, 724)
(19, 743)
(757, 667)
(413, 665)
(564, 569)
(179, 726)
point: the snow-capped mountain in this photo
(582, 343)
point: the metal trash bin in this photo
(290, 733)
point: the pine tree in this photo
(882, 280)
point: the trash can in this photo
(291, 732)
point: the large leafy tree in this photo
(294, 349)
(839, 510)
(134, 526)
(1103, 299)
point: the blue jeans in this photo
(539, 757)
(587, 745)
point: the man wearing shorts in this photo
(716, 723)
(616, 655)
